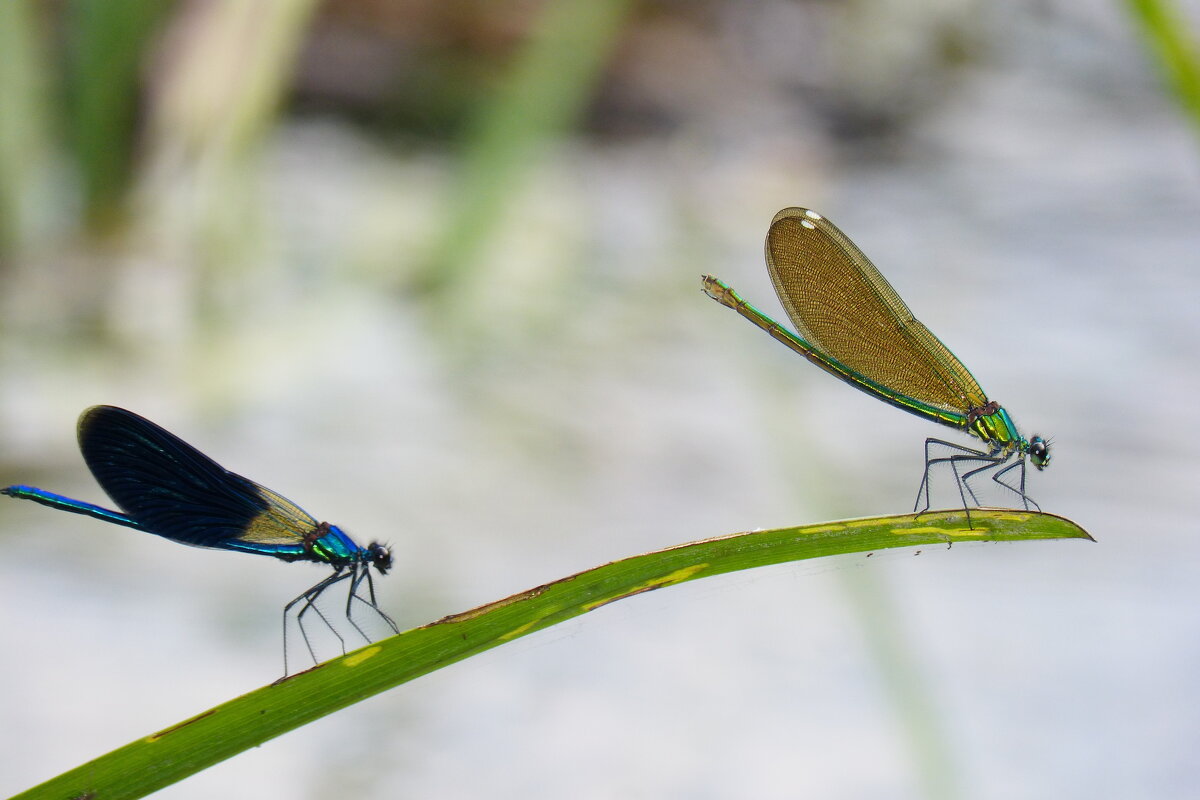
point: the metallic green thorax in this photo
(998, 430)
(990, 423)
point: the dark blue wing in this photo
(172, 489)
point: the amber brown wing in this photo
(843, 307)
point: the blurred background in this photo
(432, 270)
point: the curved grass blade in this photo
(162, 758)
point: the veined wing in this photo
(174, 490)
(844, 308)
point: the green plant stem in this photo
(162, 758)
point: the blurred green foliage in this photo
(1168, 38)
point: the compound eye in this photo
(381, 557)
(1039, 452)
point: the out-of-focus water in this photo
(592, 403)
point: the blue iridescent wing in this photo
(172, 489)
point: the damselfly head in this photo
(1039, 452)
(380, 557)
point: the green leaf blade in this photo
(150, 763)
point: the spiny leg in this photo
(1026, 499)
(961, 484)
(990, 462)
(999, 460)
(990, 459)
(311, 604)
(964, 454)
(309, 597)
(965, 480)
(997, 477)
(929, 462)
(353, 594)
(373, 604)
(286, 610)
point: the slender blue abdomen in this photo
(70, 504)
